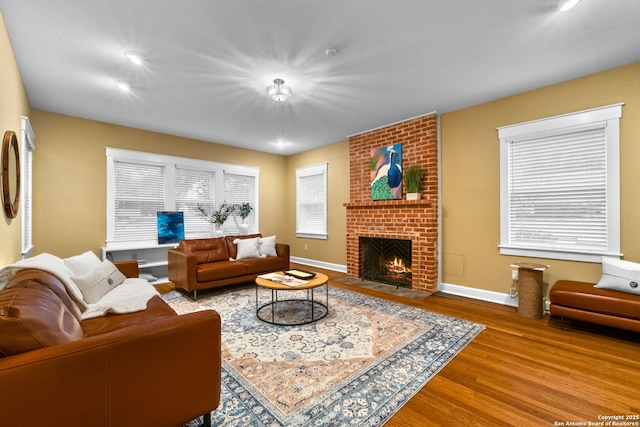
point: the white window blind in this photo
(195, 194)
(311, 201)
(560, 186)
(558, 190)
(240, 189)
(26, 178)
(139, 184)
(139, 195)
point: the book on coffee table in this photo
(283, 279)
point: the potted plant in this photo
(413, 180)
(217, 217)
(242, 210)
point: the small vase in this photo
(218, 232)
(243, 229)
(413, 196)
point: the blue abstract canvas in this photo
(170, 226)
(386, 173)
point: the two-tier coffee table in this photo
(293, 311)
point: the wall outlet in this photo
(514, 274)
(306, 246)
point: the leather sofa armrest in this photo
(162, 372)
(182, 268)
(129, 267)
(282, 249)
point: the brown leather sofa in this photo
(583, 301)
(198, 264)
(147, 368)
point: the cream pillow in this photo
(247, 248)
(82, 264)
(619, 275)
(96, 283)
(267, 246)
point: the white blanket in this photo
(132, 295)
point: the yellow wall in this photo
(70, 178)
(471, 176)
(13, 105)
(333, 249)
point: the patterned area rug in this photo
(357, 366)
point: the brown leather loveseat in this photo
(145, 368)
(583, 301)
(198, 264)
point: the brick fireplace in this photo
(414, 220)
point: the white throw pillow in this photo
(619, 275)
(96, 283)
(267, 246)
(247, 248)
(82, 264)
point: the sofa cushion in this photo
(264, 265)
(267, 246)
(97, 282)
(206, 250)
(220, 270)
(83, 263)
(50, 281)
(246, 248)
(585, 296)
(32, 317)
(619, 275)
(233, 249)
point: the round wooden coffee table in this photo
(293, 311)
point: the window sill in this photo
(312, 235)
(556, 254)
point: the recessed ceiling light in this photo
(134, 57)
(123, 86)
(564, 5)
(281, 143)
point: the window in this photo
(311, 201)
(240, 189)
(195, 193)
(141, 184)
(26, 176)
(560, 186)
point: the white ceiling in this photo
(208, 62)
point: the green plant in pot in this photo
(242, 210)
(217, 217)
(412, 177)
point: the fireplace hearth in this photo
(386, 260)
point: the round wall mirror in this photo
(10, 174)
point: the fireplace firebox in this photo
(385, 260)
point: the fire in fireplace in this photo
(385, 260)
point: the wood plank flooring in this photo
(522, 372)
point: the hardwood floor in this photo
(523, 372)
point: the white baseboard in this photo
(479, 294)
(320, 264)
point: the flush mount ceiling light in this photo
(564, 5)
(134, 57)
(278, 91)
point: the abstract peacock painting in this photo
(386, 172)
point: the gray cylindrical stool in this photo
(530, 286)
